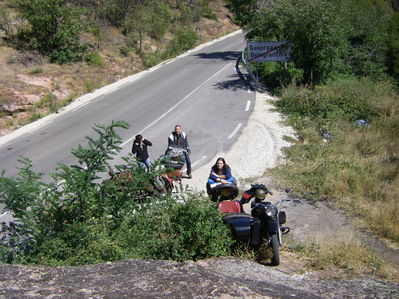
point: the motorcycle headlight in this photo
(271, 210)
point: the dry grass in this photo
(359, 168)
(343, 257)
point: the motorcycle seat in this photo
(231, 206)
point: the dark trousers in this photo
(188, 162)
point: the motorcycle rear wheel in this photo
(275, 246)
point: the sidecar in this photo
(244, 228)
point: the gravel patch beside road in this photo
(257, 149)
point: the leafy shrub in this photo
(177, 231)
(314, 29)
(94, 58)
(54, 28)
(371, 46)
(183, 41)
(276, 75)
(151, 59)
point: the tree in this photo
(373, 37)
(150, 19)
(328, 38)
(243, 10)
(315, 30)
(54, 28)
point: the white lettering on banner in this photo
(268, 51)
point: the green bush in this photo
(183, 41)
(177, 231)
(94, 58)
(315, 30)
(276, 75)
(54, 28)
(151, 59)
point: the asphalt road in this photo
(201, 91)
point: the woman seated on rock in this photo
(220, 173)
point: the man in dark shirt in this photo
(179, 139)
(140, 150)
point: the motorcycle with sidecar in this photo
(263, 225)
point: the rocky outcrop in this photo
(213, 278)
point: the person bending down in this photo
(220, 173)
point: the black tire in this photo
(275, 246)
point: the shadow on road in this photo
(233, 84)
(226, 56)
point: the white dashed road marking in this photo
(235, 131)
(248, 105)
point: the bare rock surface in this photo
(213, 278)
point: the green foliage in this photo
(328, 38)
(94, 58)
(372, 36)
(275, 75)
(36, 70)
(243, 10)
(54, 28)
(183, 41)
(177, 231)
(5, 20)
(116, 12)
(314, 29)
(324, 105)
(151, 18)
(79, 218)
(152, 59)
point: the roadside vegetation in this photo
(339, 91)
(344, 258)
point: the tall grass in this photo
(344, 255)
(359, 167)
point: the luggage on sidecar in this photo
(174, 158)
(244, 228)
(221, 191)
